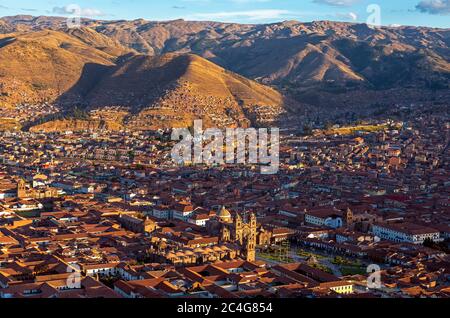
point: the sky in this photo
(432, 13)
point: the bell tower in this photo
(250, 249)
(349, 217)
(251, 239)
(21, 189)
(238, 227)
(253, 223)
(253, 226)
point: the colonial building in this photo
(325, 217)
(406, 233)
(137, 225)
(23, 192)
(236, 230)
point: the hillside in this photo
(173, 89)
(290, 54)
(76, 125)
(41, 66)
(143, 74)
(83, 69)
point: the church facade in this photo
(23, 192)
(244, 233)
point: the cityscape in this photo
(109, 188)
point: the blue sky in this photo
(435, 13)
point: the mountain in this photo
(172, 90)
(291, 54)
(144, 74)
(83, 70)
(5, 27)
(40, 66)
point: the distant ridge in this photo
(42, 65)
(84, 69)
(174, 89)
(290, 53)
(146, 75)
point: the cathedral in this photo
(24, 193)
(244, 233)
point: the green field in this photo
(305, 254)
(349, 267)
(322, 268)
(353, 270)
(275, 258)
(350, 130)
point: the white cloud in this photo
(78, 11)
(337, 3)
(234, 1)
(351, 16)
(434, 6)
(249, 15)
(249, 1)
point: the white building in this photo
(405, 233)
(7, 194)
(183, 212)
(328, 218)
(199, 219)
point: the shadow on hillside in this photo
(72, 103)
(91, 75)
(142, 83)
(6, 41)
(264, 56)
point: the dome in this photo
(225, 215)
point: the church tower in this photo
(250, 249)
(239, 229)
(349, 217)
(253, 223)
(21, 189)
(253, 226)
